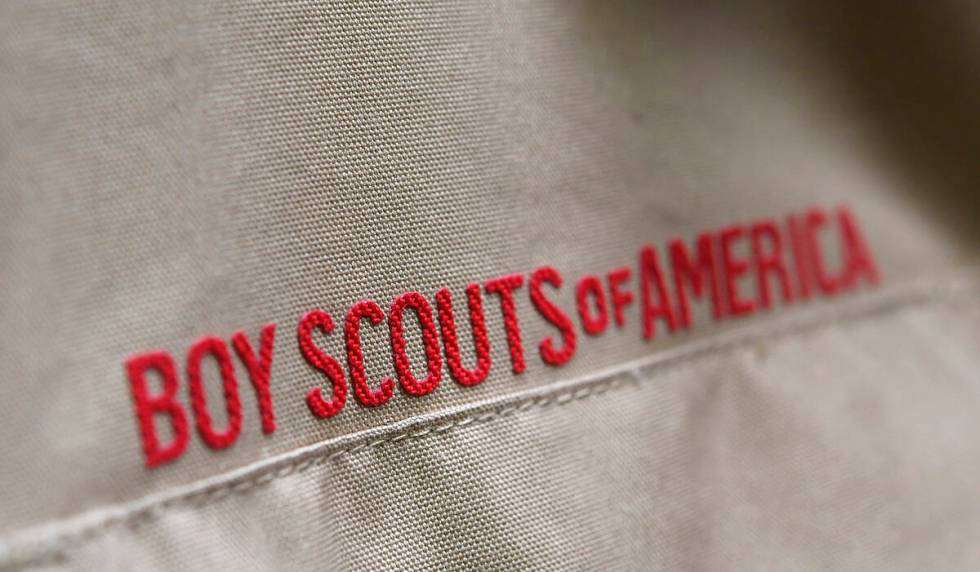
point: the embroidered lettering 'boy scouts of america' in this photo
(787, 262)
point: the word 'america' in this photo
(786, 261)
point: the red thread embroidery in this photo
(355, 357)
(590, 285)
(553, 314)
(215, 347)
(259, 371)
(430, 339)
(734, 268)
(801, 256)
(504, 286)
(166, 402)
(857, 255)
(771, 261)
(620, 299)
(652, 277)
(324, 363)
(791, 253)
(815, 220)
(481, 342)
(696, 275)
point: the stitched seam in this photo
(53, 549)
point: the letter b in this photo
(147, 406)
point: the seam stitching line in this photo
(54, 548)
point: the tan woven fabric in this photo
(173, 169)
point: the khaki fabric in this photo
(174, 169)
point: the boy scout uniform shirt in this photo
(489, 285)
